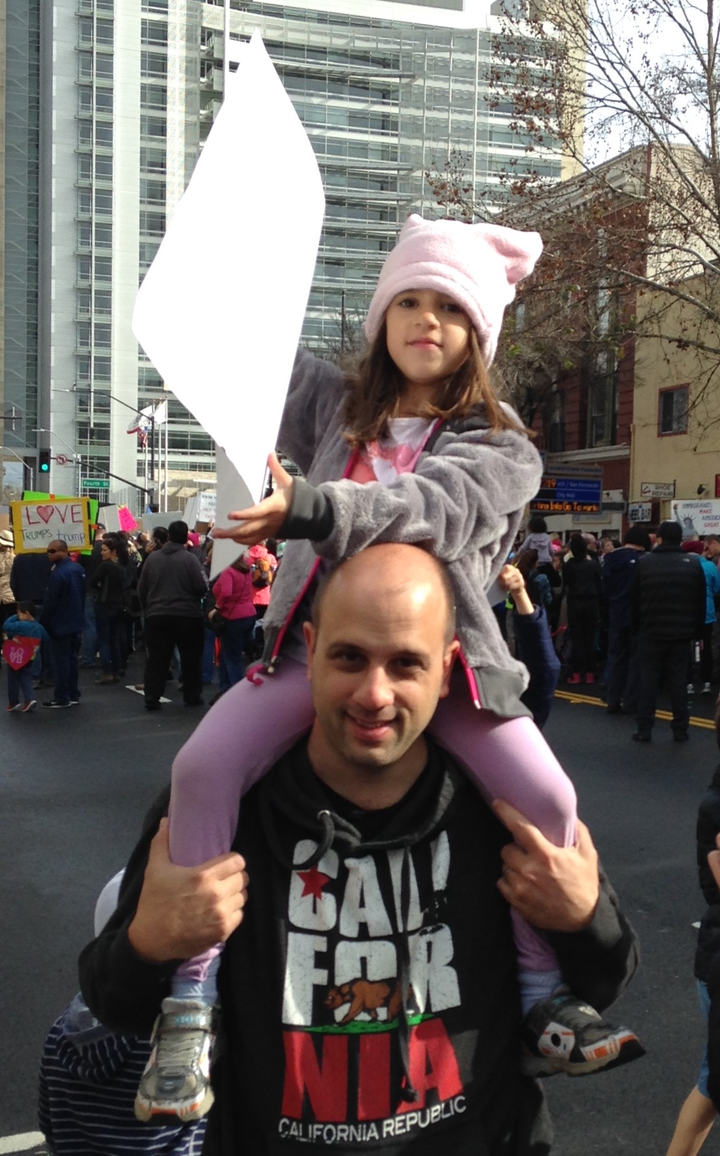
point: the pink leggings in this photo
(251, 726)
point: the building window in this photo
(600, 379)
(554, 422)
(673, 410)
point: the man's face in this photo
(712, 550)
(56, 553)
(378, 663)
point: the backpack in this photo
(262, 573)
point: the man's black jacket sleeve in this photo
(122, 990)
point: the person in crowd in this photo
(435, 458)
(194, 544)
(91, 563)
(63, 616)
(537, 539)
(360, 843)
(711, 550)
(233, 593)
(669, 604)
(698, 1112)
(171, 589)
(108, 585)
(533, 642)
(88, 1077)
(581, 580)
(265, 564)
(618, 573)
(155, 541)
(29, 579)
(211, 655)
(536, 582)
(607, 545)
(592, 546)
(24, 635)
(712, 592)
(7, 557)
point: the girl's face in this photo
(427, 335)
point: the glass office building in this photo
(112, 100)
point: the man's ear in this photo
(310, 641)
(449, 657)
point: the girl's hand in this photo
(264, 519)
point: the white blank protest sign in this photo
(221, 308)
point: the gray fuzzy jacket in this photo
(465, 500)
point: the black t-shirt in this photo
(311, 994)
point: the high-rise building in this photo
(107, 103)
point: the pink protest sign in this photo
(127, 522)
(18, 652)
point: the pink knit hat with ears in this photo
(477, 265)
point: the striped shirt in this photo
(88, 1080)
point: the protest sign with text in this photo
(35, 524)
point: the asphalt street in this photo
(74, 786)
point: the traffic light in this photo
(44, 461)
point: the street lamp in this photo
(149, 488)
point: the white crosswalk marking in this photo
(23, 1142)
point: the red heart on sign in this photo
(19, 652)
(45, 512)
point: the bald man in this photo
(63, 616)
(368, 982)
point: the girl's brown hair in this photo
(375, 389)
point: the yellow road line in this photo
(569, 696)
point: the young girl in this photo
(426, 454)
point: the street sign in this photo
(62, 459)
(96, 483)
(639, 512)
(568, 495)
(661, 490)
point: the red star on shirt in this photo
(313, 882)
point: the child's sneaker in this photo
(176, 1081)
(9, 708)
(29, 705)
(563, 1034)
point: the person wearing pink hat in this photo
(415, 447)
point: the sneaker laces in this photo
(178, 1048)
(581, 1018)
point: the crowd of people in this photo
(151, 593)
(427, 928)
(630, 616)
